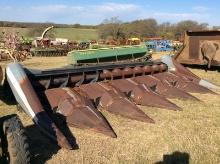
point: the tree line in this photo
(42, 25)
(145, 28)
(116, 29)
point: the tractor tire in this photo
(16, 147)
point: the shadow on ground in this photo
(6, 94)
(175, 158)
(41, 147)
(203, 67)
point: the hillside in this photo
(69, 33)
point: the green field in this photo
(76, 34)
(22, 31)
(69, 33)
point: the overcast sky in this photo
(95, 11)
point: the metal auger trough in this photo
(79, 94)
(200, 48)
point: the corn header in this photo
(79, 94)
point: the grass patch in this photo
(76, 34)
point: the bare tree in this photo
(111, 28)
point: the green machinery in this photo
(113, 54)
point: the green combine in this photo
(113, 54)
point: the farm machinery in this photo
(78, 94)
(42, 46)
(158, 44)
(111, 54)
(14, 147)
(200, 48)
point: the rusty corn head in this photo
(79, 94)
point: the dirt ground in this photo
(192, 135)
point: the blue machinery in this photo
(158, 45)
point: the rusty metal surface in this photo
(80, 94)
(78, 110)
(143, 95)
(182, 83)
(163, 88)
(114, 101)
(193, 52)
(81, 75)
(180, 70)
